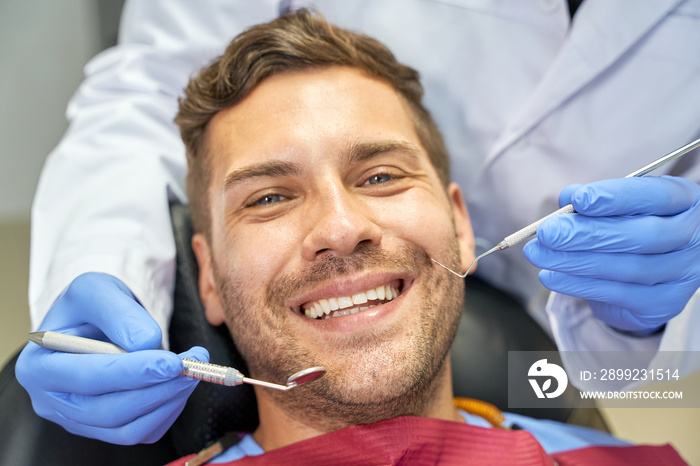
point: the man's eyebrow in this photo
(269, 168)
(360, 151)
(357, 152)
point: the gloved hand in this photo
(123, 399)
(632, 250)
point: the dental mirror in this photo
(294, 380)
(307, 375)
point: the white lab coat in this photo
(527, 102)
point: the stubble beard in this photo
(380, 380)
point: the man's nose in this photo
(339, 223)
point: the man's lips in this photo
(338, 306)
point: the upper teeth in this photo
(334, 307)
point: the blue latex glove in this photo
(123, 399)
(633, 249)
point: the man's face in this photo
(325, 211)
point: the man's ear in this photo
(463, 225)
(207, 285)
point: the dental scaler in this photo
(524, 233)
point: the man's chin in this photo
(328, 414)
(364, 394)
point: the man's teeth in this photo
(346, 305)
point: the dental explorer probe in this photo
(531, 229)
(205, 371)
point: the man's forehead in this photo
(336, 110)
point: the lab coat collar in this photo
(600, 36)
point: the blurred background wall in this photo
(44, 45)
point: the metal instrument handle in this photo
(209, 372)
(531, 229)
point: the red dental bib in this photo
(414, 440)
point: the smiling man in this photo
(325, 205)
(319, 190)
(325, 211)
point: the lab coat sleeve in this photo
(102, 199)
(576, 329)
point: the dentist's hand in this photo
(123, 399)
(632, 250)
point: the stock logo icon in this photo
(542, 372)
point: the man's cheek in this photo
(264, 251)
(419, 212)
(428, 231)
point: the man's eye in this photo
(379, 179)
(268, 199)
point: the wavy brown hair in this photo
(298, 41)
